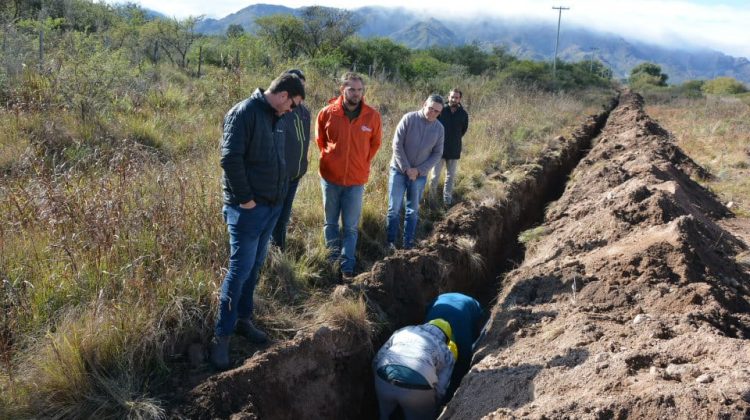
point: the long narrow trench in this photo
(327, 373)
(548, 188)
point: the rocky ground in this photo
(633, 302)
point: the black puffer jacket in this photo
(252, 153)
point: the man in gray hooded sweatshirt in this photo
(417, 147)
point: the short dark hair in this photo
(457, 90)
(349, 76)
(436, 99)
(289, 83)
(298, 72)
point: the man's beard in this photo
(351, 102)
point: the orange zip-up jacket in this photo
(347, 148)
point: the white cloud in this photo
(677, 23)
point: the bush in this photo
(471, 56)
(532, 73)
(691, 88)
(723, 86)
(377, 55)
(647, 75)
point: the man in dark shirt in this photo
(455, 120)
(255, 183)
(297, 136)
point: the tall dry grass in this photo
(112, 246)
(715, 132)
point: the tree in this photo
(318, 31)
(13, 10)
(176, 37)
(425, 67)
(325, 29)
(647, 74)
(527, 72)
(283, 32)
(470, 56)
(501, 58)
(723, 86)
(691, 88)
(235, 30)
(377, 55)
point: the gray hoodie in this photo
(417, 143)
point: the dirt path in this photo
(634, 302)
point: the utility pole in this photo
(557, 43)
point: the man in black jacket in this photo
(255, 184)
(297, 135)
(455, 120)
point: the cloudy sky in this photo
(721, 24)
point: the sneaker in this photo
(391, 248)
(245, 328)
(220, 352)
(347, 276)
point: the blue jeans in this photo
(398, 184)
(249, 234)
(279, 232)
(343, 203)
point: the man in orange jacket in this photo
(348, 135)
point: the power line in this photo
(559, 17)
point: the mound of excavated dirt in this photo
(631, 303)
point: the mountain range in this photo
(525, 39)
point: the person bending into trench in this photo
(413, 369)
(465, 316)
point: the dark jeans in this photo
(279, 232)
(249, 235)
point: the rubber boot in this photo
(220, 352)
(245, 328)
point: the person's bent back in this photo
(465, 316)
(413, 370)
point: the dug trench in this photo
(326, 373)
(630, 302)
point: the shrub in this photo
(647, 75)
(723, 86)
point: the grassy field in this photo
(715, 132)
(112, 246)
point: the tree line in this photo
(39, 33)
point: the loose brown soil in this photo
(633, 303)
